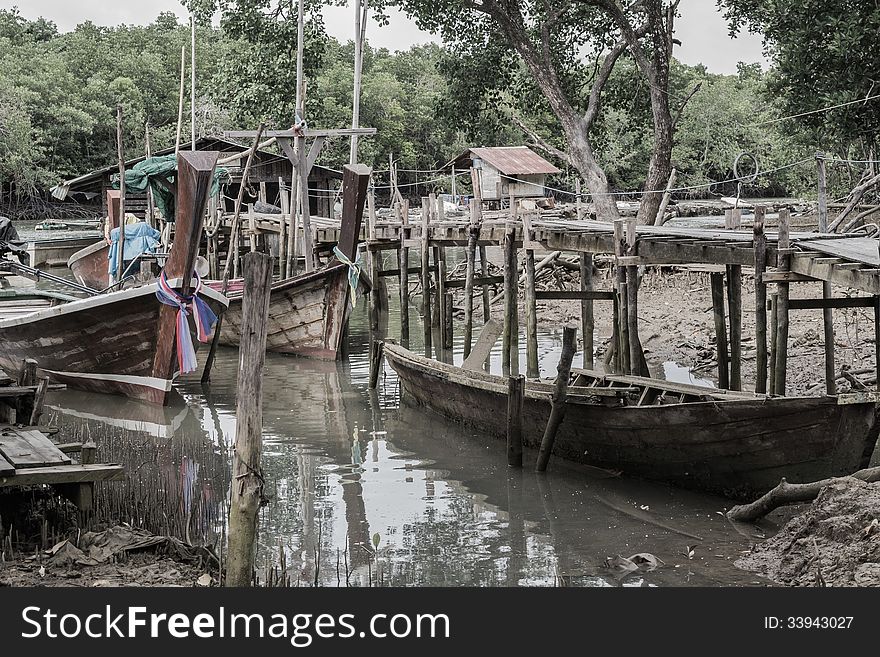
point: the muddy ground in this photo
(677, 325)
(835, 541)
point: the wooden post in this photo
(471, 255)
(822, 193)
(877, 340)
(660, 217)
(717, 282)
(558, 397)
(511, 285)
(734, 306)
(303, 170)
(39, 399)
(774, 323)
(252, 228)
(247, 477)
(587, 319)
(376, 355)
(484, 272)
(782, 304)
(516, 386)
(292, 230)
(578, 204)
(426, 277)
(374, 260)
(282, 229)
(120, 152)
(441, 300)
(828, 324)
(180, 100)
(760, 244)
(622, 326)
(632, 304)
(403, 264)
(531, 303)
(449, 333)
(148, 153)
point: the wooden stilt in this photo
(247, 489)
(282, 229)
(774, 322)
(426, 277)
(717, 282)
(760, 244)
(828, 324)
(403, 264)
(531, 309)
(449, 333)
(558, 397)
(622, 325)
(484, 273)
(473, 236)
(782, 265)
(877, 340)
(632, 305)
(376, 355)
(587, 320)
(734, 308)
(441, 299)
(516, 386)
(511, 279)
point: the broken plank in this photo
(29, 449)
(486, 340)
(64, 474)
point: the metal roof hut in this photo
(507, 171)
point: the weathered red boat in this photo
(127, 342)
(733, 443)
(307, 313)
(89, 265)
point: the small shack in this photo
(267, 168)
(506, 171)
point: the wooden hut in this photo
(506, 171)
(90, 188)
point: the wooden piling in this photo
(531, 309)
(511, 285)
(282, 229)
(622, 323)
(717, 283)
(734, 311)
(441, 300)
(822, 195)
(426, 276)
(877, 341)
(782, 265)
(376, 355)
(471, 255)
(484, 273)
(449, 333)
(403, 264)
(760, 245)
(558, 397)
(516, 386)
(828, 325)
(247, 477)
(120, 153)
(632, 305)
(774, 322)
(587, 317)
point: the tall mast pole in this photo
(360, 27)
(192, 83)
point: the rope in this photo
(202, 314)
(354, 272)
(815, 111)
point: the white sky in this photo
(701, 29)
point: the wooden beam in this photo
(846, 302)
(489, 335)
(308, 132)
(64, 474)
(590, 295)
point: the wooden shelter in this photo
(506, 171)
(267, 168)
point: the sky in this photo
(701, 28)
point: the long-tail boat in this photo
(732, 443)
(307, 313)
(89, 265)
(134, 341)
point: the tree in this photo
(549, 38)
(824, 54)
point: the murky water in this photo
(364, 491)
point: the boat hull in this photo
(104, 344)
(739, 448)
(306, 315)
(90, 265)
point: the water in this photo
(364, 491)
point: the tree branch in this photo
(684, 104)
(538, 141)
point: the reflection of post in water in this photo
(550, 514)
(516, 527)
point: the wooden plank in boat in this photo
(29, 449)
(861, 397)
(668, 386)
(6, 468)
(488, 337)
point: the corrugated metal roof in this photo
(510, 160)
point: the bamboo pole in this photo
(148, 153)
(558, 397)
(760, 243)
(192, 78)
(360, 26)
(782, 265)
(247, 487)
(180, 100)
(120, 153)
(516, 386)
(717, 282)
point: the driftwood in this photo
(855, 197)
(786, 493)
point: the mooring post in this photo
(403, 264)
(376, 355)
(39, 400)
(449, 339)
(511, 284)
(558, 397)
(531, 308)
(828, 326)
(473, 237)
(587, 319)
(822, 193)
(247, 477)
(484, 273)
(516, 386)
(578, 205)
(441, 300)
(632, 304)
(717, 283)
(760, 244)
(426, 276)
(774, 323)
(782, 264)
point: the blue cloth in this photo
(140, 238)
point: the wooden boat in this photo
(121, 342)
(307, 313)
(732, 443)
(89, 264)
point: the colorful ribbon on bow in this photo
(202, 314)
(354, 271)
